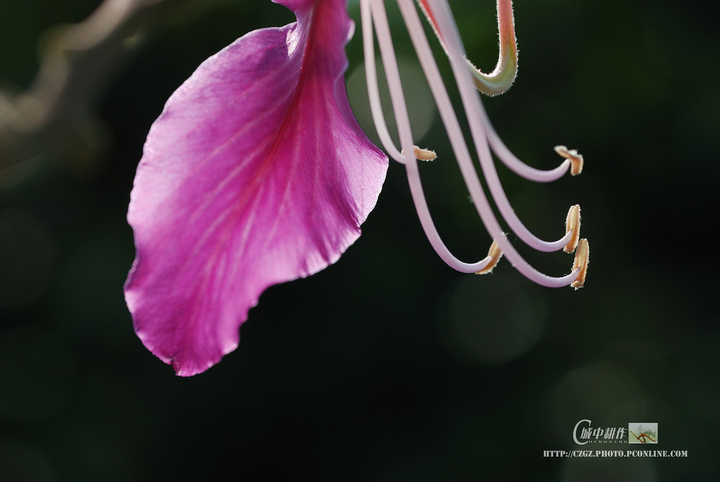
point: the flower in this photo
(257, 173)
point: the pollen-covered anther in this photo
(423, 154)
(494, 253)
(576, 159)
(572, 224)
(582, 259)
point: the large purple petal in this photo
(256, 173)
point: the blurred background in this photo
(387, 366)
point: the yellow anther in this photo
(422, 154)
(572, 224)
(582, 259)
(495, 254)
(576, 159)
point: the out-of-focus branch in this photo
(75, 69)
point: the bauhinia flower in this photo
(257, 173)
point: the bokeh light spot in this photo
(420, 105)
(491, 319)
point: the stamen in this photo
(486, 161)
(572, 226)
(575, 158)
(374, 9)
(483, 136)
(475, 112)
(494, 253)
(515, 164)
(582, 260)
(503, 204)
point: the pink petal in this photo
(256, 173)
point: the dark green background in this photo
(390, 366)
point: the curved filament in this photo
(483, 135)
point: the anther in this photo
(582, 259)
(494, 253)
(423, 154)
(575, 158)
(572, 224)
